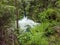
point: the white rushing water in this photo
(25, 23)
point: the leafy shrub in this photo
(35, 36)
(38, 35)
(48, 15)
(57, 4)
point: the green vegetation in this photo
(45, 12)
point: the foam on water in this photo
(25, 22)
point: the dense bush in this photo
(35, 36)
(6, 20)
(49, 15)
(46, 12)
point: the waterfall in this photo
(24, 23)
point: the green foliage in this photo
(39, 35)
(7, 18)
(58, 3)
(35, 36)
(6, 14)
(45, 11)
(49, 14)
